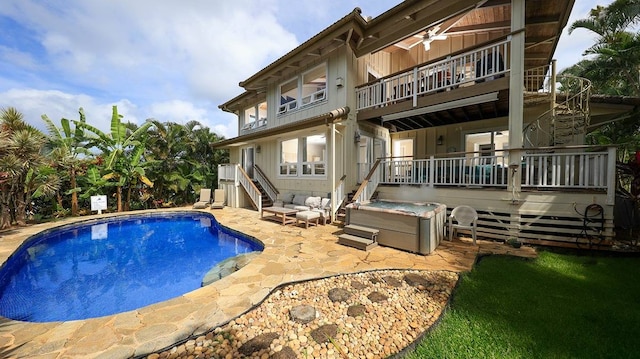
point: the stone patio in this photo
(291, 253)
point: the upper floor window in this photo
(308, 88)
(288, 96)
(314, 85)
(255, 116)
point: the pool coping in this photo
(291, 254)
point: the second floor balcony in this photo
(461, 69)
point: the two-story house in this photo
(455, 102)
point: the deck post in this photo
(415, 87)
(432, 171)
(516, 95)
(611, 175)
(333, 172)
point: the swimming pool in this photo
(102, 267)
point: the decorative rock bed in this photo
(364, 315)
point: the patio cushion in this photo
(326, 202)
(307, 215)
(286, 197)
(299, 199)
(312, 202)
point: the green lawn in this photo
(557, 306)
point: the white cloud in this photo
(17, 58)
(56, 105)
(189, 56)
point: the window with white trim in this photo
(314, 149)
(314, 85)
(255, 116)
(288, 96)
(305, 156)
(304, 90)
(289, 157)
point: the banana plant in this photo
(66, 148)
(122, 148)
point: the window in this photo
(304, 90)
(288, 96)
(255, 116)
(289, 157)
(305, 156)
(314, 85)
(314, 149)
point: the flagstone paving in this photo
(291, 254)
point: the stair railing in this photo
(340, 196)
(270, 190)
(569, 114)
(368, 185)
(252, 190)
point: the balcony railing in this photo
(478, 65)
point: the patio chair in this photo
(219, 199)
(205, 199)
(463, 217)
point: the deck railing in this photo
(235, 173)
(577, 167)
(477, 65)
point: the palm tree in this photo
(19, 154)
(119, 148)
(615, 70)
(615, 66)
(66, 149)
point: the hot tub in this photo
(413, 227)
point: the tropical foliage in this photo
(137, 166)
(21, 147)
(613, 66)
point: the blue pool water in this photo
(100, 268)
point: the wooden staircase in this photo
(359, 237)
(341, 214)
(266, 201)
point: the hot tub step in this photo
(356, 242)
(361, 231)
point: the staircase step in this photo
(361, 231)
(356, 242)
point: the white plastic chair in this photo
(465, 217)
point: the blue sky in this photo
(169, 60)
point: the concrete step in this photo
(356, 242)
(361, 231)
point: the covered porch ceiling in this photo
(420, 20)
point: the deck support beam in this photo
(516, 89)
